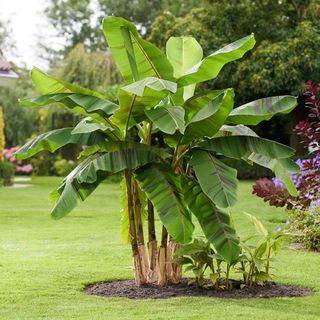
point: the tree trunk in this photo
(138, 272)
(174, 271)
(144, 261)
(153, 267)
(152, 246)
(162, 259)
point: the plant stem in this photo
(151, 224)
(243, 269)
(211, 266)
(162, 258)
(178, 156)
(164, 237)
(268, 260)
(138, 273)
(132, 223)
(152, 246)
(248, 275)
(227, 275)
(252, 267)
(137, 206)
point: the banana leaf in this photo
(183, 53)
(217, 180)
(211, 65)
(55, 139)
(135, 57)
(216, 224)
(256, 111)
(163, 188)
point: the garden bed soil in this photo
(128, 289)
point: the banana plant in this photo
(182, 179)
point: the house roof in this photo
(7, 76)
(4, 64)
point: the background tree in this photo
(79, 21)
(15, 117)
(94, 70)
(292, 28)
(74, 21)
(20, 124)
(3, 34)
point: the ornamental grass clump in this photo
(166, 142)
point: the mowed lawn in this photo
(44, 264)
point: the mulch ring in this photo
(128, 289)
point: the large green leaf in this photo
(241, 147)
(139, 96)
(87, 125)
(53, 140)
(217, 180)
(206, 113)
(238, 130)
(256, 111)
(195, 105)
(183, 53)
(139, 88)
(83, 180)
(47, 84)
(167, 118)
(267, 153)
(281, 168)
(210, 66)
(71, 193)
(135, 57)
(81, 100)
(164, 190)
(84, 104)
(120, 156)
(216, 224)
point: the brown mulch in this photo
(128, 289)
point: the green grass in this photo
(44, 264)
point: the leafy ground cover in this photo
(44, 264)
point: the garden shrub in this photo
(43, 164)
(311, 237)
(20, 167)
(304, 209)
(7, 173)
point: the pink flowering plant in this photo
(20, 166)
